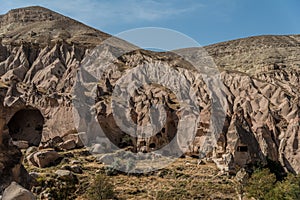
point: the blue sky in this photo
(206, 21)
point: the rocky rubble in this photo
(38, 77)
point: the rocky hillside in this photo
(40, 26)
(40, 57)
(257, 54)
(262, 118)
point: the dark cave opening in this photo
(242, 149)
(27, 125)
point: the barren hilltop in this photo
(41, 52)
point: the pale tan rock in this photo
(67, 145)
(260, 74)
(21, 144)
(16, 192)
(65, 175)
(45, 158)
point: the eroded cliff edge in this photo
(40, 56)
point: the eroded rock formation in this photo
(262, 119)
(40, 57)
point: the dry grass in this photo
(183, 179)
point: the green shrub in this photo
(263, 185)
(288, 189)
(101, 188)
(261, 182)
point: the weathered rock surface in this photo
(67, 145)
(262, 118)
(21, 144)
(38, 75)
(44, 158)
(65, 175)
(16, 192)
(11, 168)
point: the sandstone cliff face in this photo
(39, 59)
(262, 118)
(33, 80)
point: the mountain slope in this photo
(40, 57)
(41, 26)
(256, 54)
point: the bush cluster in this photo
(263, 185)
(101, 188)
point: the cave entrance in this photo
(242, 149)
(27, 125)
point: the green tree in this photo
(288, 189)
(261, 183)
